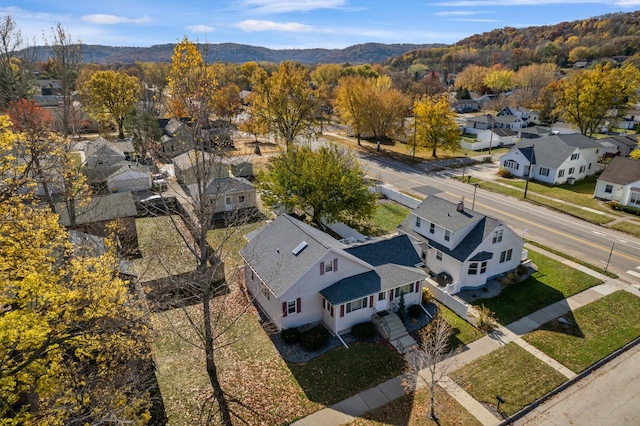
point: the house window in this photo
(382, 296)
(266, 292)
(439, 255)
(328, 267)
(634, 198)
(483, 267)
(576, 156)
(561, 173)
(505, 256)
(241, 198)
(582, 169)
(447, 235)
(571, 170)
(497, 236)
(292, 307)
(473, 268)
(510, 164)
(432, 228)
(589, 166)
(356, 304)
(608, 189)
(544, 171)
(405, 289)
(417, 222)
(227, 201)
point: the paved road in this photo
(578, 238)
(609, 396)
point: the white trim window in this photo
(561, 173)
(582, 169)
(473, 268)
(447, 235)
(608, 189)
(357, 304)
(634, 198)
(241, 199)
(571, 170)
(497, 236)
(432, 228)
(510, 164)
(576, 156)
(417, 222)
(505, 256)
(292, 307)
(439, 255)
(543, 171)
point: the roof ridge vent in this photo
(299, 248)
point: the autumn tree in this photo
(587, 99)
(472, 79)
(387, 112)
(64, 65)
(227, 103)
(431, 362)
(287, 102)
(434, 125)
(354, 97)
(499, 80)
(71, 331)
(327, 183)
(109, 95)
(328, 74)
(14, 83)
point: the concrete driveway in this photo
(609, 396)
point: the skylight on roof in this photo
(299, 248)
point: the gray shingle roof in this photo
(621, 171)
(384, 278)
(100, 208)
(444, 213)
(397, 250)
(627, 140)
(222, 186)
(270, 253)
(552, 151)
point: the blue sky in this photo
(282, 24)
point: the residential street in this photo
(577, 238)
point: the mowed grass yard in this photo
(553, 281)
(511, 372)
(597, 330)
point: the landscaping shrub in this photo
(414, 311)
(505, 173)
(402, 309)
(522, 269)
(290, 335)
(315, 338)
(427, 296)
(364, 330)
(511, 278)
(486, 319)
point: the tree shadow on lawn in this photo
(538, 301)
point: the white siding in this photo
(516, 156)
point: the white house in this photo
(229, 194)
(300, 275)
(554, 159)
(98, 152)
(497, 136)
(124, 176)
(620, 145)
(520, 112)
(620, 182)
(462, 248)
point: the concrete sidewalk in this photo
(386, 392)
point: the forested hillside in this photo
(604, 37)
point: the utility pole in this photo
(532, 166)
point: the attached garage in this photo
(129, 179)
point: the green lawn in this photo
(573, 259)
(464, 333)
(385, 219)
(344, 372)
(411, 409)
(597, 330)
(228, 241)
(511, 372)
(557, 205)
(630, 227)
(552, 282)
(164, 253)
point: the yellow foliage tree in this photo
(499, 80)
(71, 332)
(352, 103)
(435, 126)
(109, 95)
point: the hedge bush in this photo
(364, 330)
(314, 338)
(414, 311)
(290, 335)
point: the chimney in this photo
(460, 206)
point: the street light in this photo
(475, 188)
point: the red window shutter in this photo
(411, 288)
(417, 286)
(341, 310)
(321, 268)
(335, 265)
(391, 293)
(284, 309)
(323, 304)
(298, 305)
(371, 301)
(332, 312)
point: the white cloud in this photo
(102, 19)
(201, 29)
(472, 3)
(251, 25)
(284, 6)
(474, 20)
